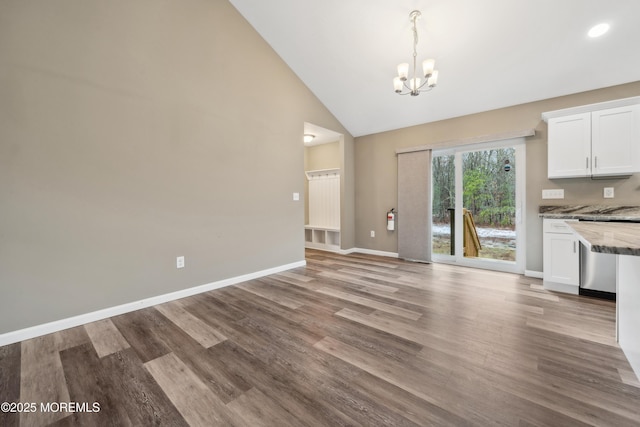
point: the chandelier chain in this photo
(415, 42)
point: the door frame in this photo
(517, 266)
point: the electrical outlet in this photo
(608, 192)
(180, 262)
(373, 233)
(553, 194)
(296, 197)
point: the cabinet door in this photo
(569, 146)
(561, 259)
(615, 141)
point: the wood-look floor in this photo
(347, 340)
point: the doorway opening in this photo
(323, 166)
(478, 205)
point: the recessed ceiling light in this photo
(598, 30)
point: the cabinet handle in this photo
(587, 167)
(596, 162)
(574, 246)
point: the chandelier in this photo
(413, 85)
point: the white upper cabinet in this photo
(569, 146)
(615, 141)
(598, 142)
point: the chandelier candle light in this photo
(430, 75)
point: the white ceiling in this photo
(490, 53)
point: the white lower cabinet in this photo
(561, 257)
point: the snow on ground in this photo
(489, 237)
(496, 233)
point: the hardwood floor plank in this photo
(207, 366)
(398, 311)
(395, 375)
(565, 403)
(42, 379)
(628, 377)
(193, 399)
(386, 325)
(71, 337)
(257, 409)
(294, 276)
(411, 406)
(359, 336)
(295, 395)
(90, 383)
(214, 306)
(10, 382)
(350, 281)
(135, 327)
(138, 394)
(262, 289)
(105, 337)
(196, 328)
(573, 331)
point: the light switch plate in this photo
(608, 193)
(296, 197)
(557, 193)
(180, 262)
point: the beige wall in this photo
(127, 138)
(323, 156)
(376, 167)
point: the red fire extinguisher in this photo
(391, 220)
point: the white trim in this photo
(480, 263)
(561, 287)
(472, 141)
(625, 102)
(371, 252)
(70, 322)
(534, 274)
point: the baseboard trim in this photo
(561, 287)
(534, 274)
(71, 322)
(373, 252)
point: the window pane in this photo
(444, 201)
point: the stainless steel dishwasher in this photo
(597, 273)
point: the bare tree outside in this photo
(488, 193)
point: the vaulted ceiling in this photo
(489, 53)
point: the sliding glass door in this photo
(478, 204)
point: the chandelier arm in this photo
(423, 85)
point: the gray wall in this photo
(135, 132)
(376, 166)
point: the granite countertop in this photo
(591, 212)
(609, 237)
